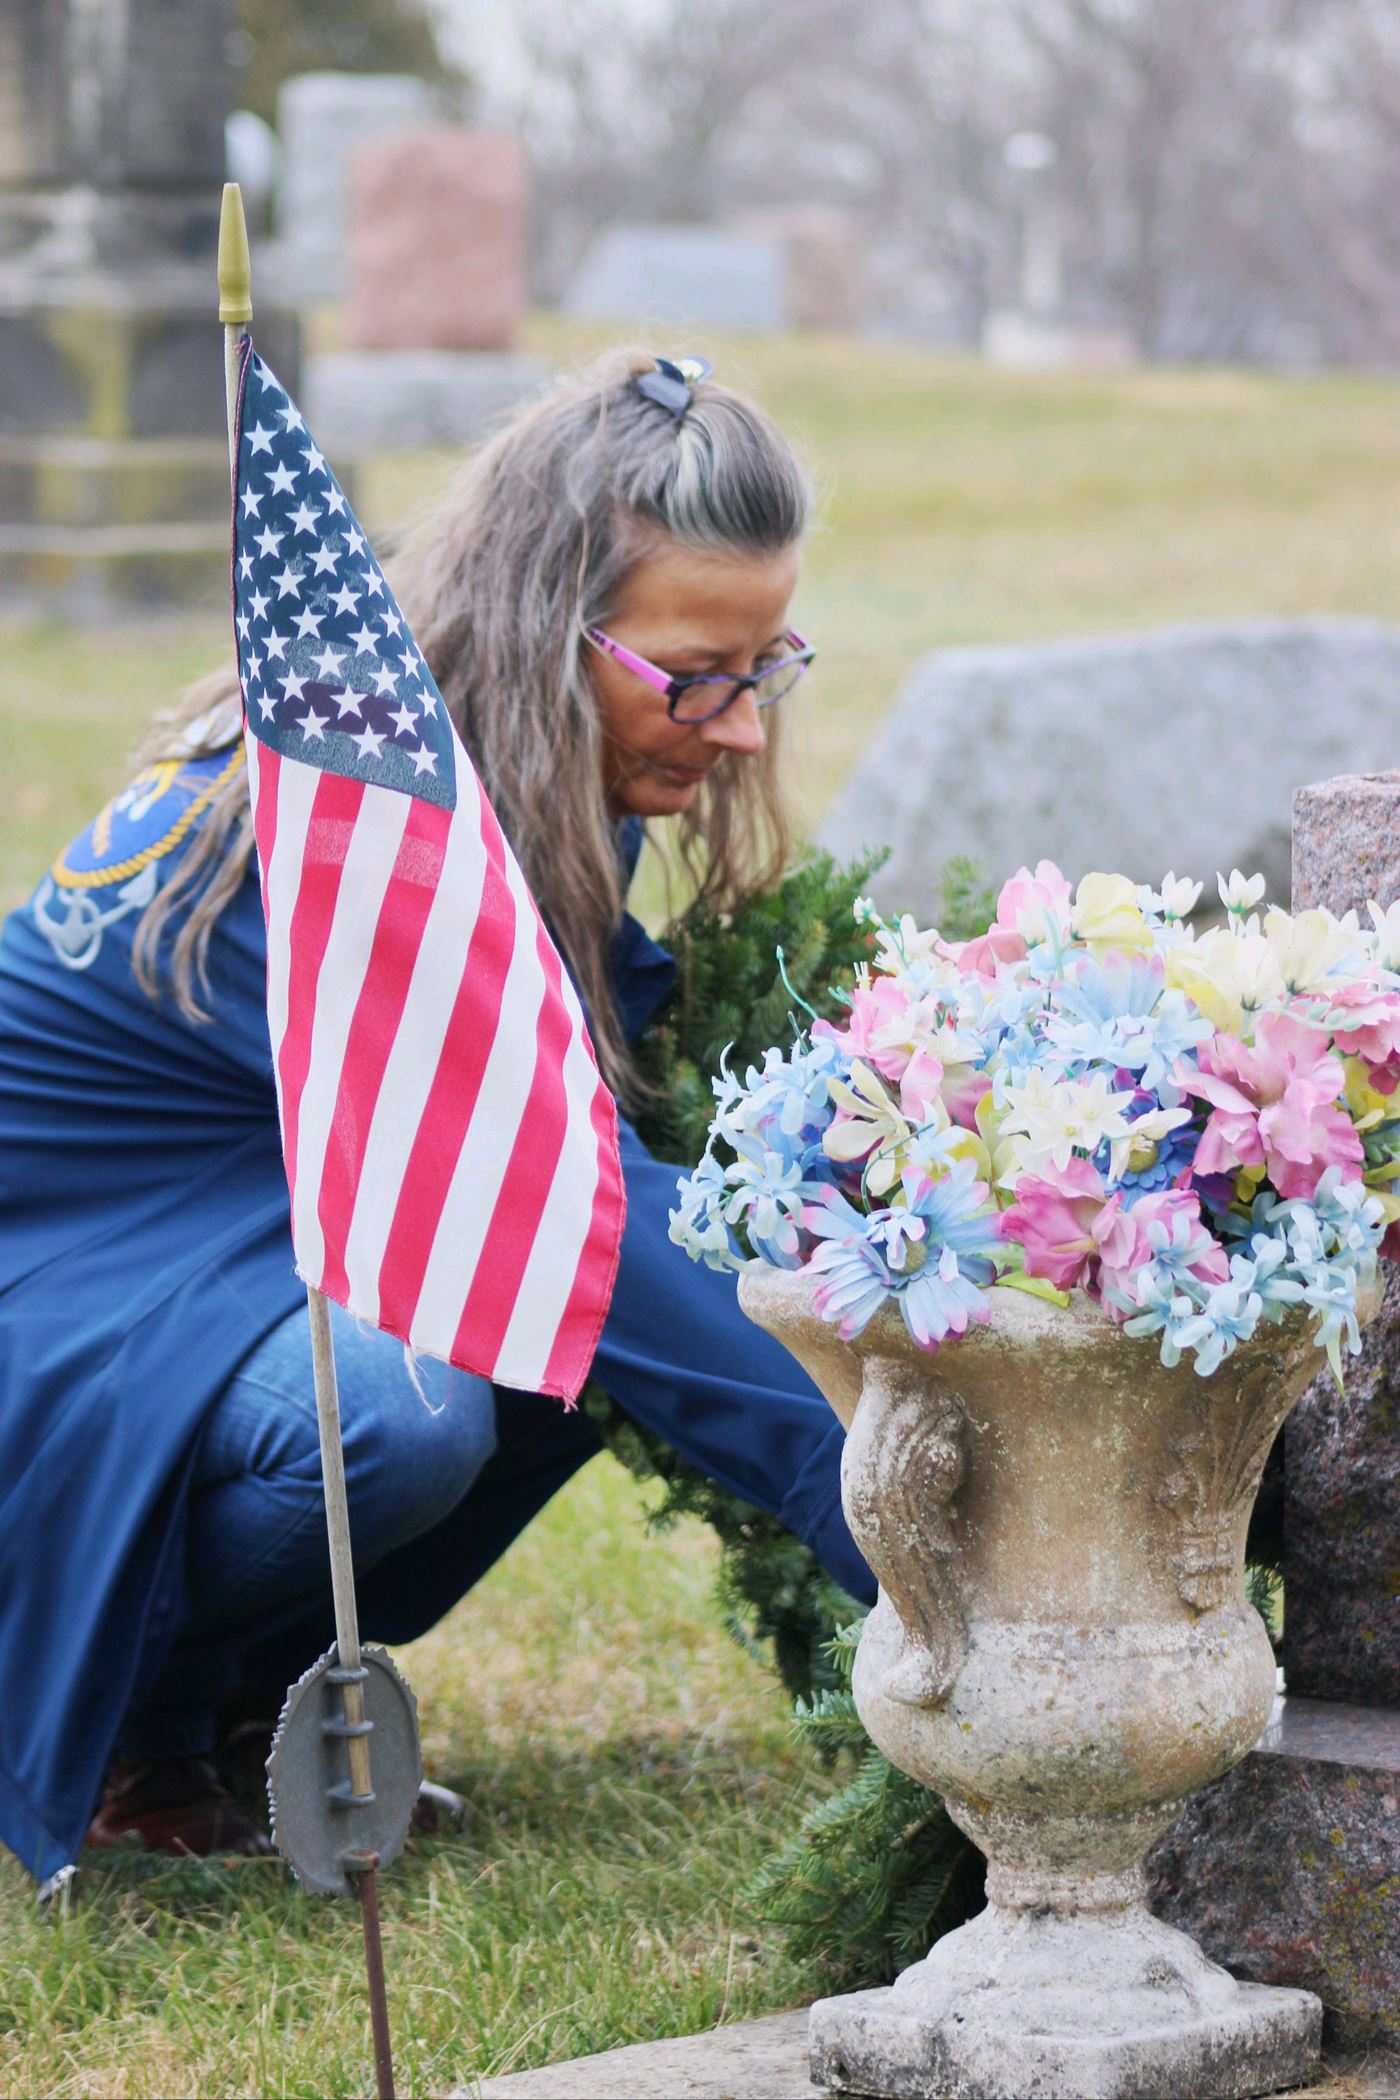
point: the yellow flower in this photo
(1365, 1105)
(876, 1128)
(1306, 947)
(1229, 976)
(1106, 915)
(997, 1154)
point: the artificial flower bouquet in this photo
(1199, 1130)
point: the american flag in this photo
(450, 1148)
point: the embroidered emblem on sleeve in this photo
(114, 867)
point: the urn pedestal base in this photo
(1108, 2006)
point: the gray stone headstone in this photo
(362, 401)
(683, 276)
(1178, 748)
(321, 119)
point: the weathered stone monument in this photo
(1288, 1870)
(1179, 747)
(113, 462)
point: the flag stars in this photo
(370, 741)
(316, 461)
(303, 519)
(291, 418)
(268, 542)
(243, 624)
(374, 583)
(335, 502)
(293, 686)
(283, 480)
(259, 604)
(268, 703)
(288, 583)
(308, 622)
(251, 498)
(384, 681)
(314, 725)
(405, 719)
(260, 440)
(328, 665)
(325, 559)
(366, 641)
(345, 600)
(276, 645)
(245, 565)
(349, 703)
(354, 542)
(424, 760)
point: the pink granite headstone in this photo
(1342, 1450)
(438, 241)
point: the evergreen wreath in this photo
(878, 1871)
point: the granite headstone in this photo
(1178, 748)
(438, 248)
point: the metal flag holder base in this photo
(322, 1827)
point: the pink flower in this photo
(1125, 1248)
(989, 951)
(1371, 1028)
(1272, 1105)
(880, 1029)
(1029, 905)
(920, 1086)
(1054, 1218)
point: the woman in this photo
(603, 600)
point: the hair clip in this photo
(672, 384)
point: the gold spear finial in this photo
(235, 263)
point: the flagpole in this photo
(235, 312)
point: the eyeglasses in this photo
(707, 694)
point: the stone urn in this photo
(1062, 1649)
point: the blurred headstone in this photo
(684, 276)
(361, 401)
(322, 119)
(438, 241)
(1177, 748)
(113, 454)
(826, 249)
(1037, 333)
(254, 160)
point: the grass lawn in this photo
(626, 1764)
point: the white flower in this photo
(1060, 1117)
(1180, 896)
(1387, 925)
(1241, 893)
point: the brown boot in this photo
(173, 1804)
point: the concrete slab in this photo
(767, 2060)
(753, 2060)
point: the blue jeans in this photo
(437, 1489)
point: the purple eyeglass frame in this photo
(675, 688)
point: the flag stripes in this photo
(451, 1151)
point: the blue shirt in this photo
(145, 1249)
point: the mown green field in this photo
(626, 1763)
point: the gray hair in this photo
(528, 550)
